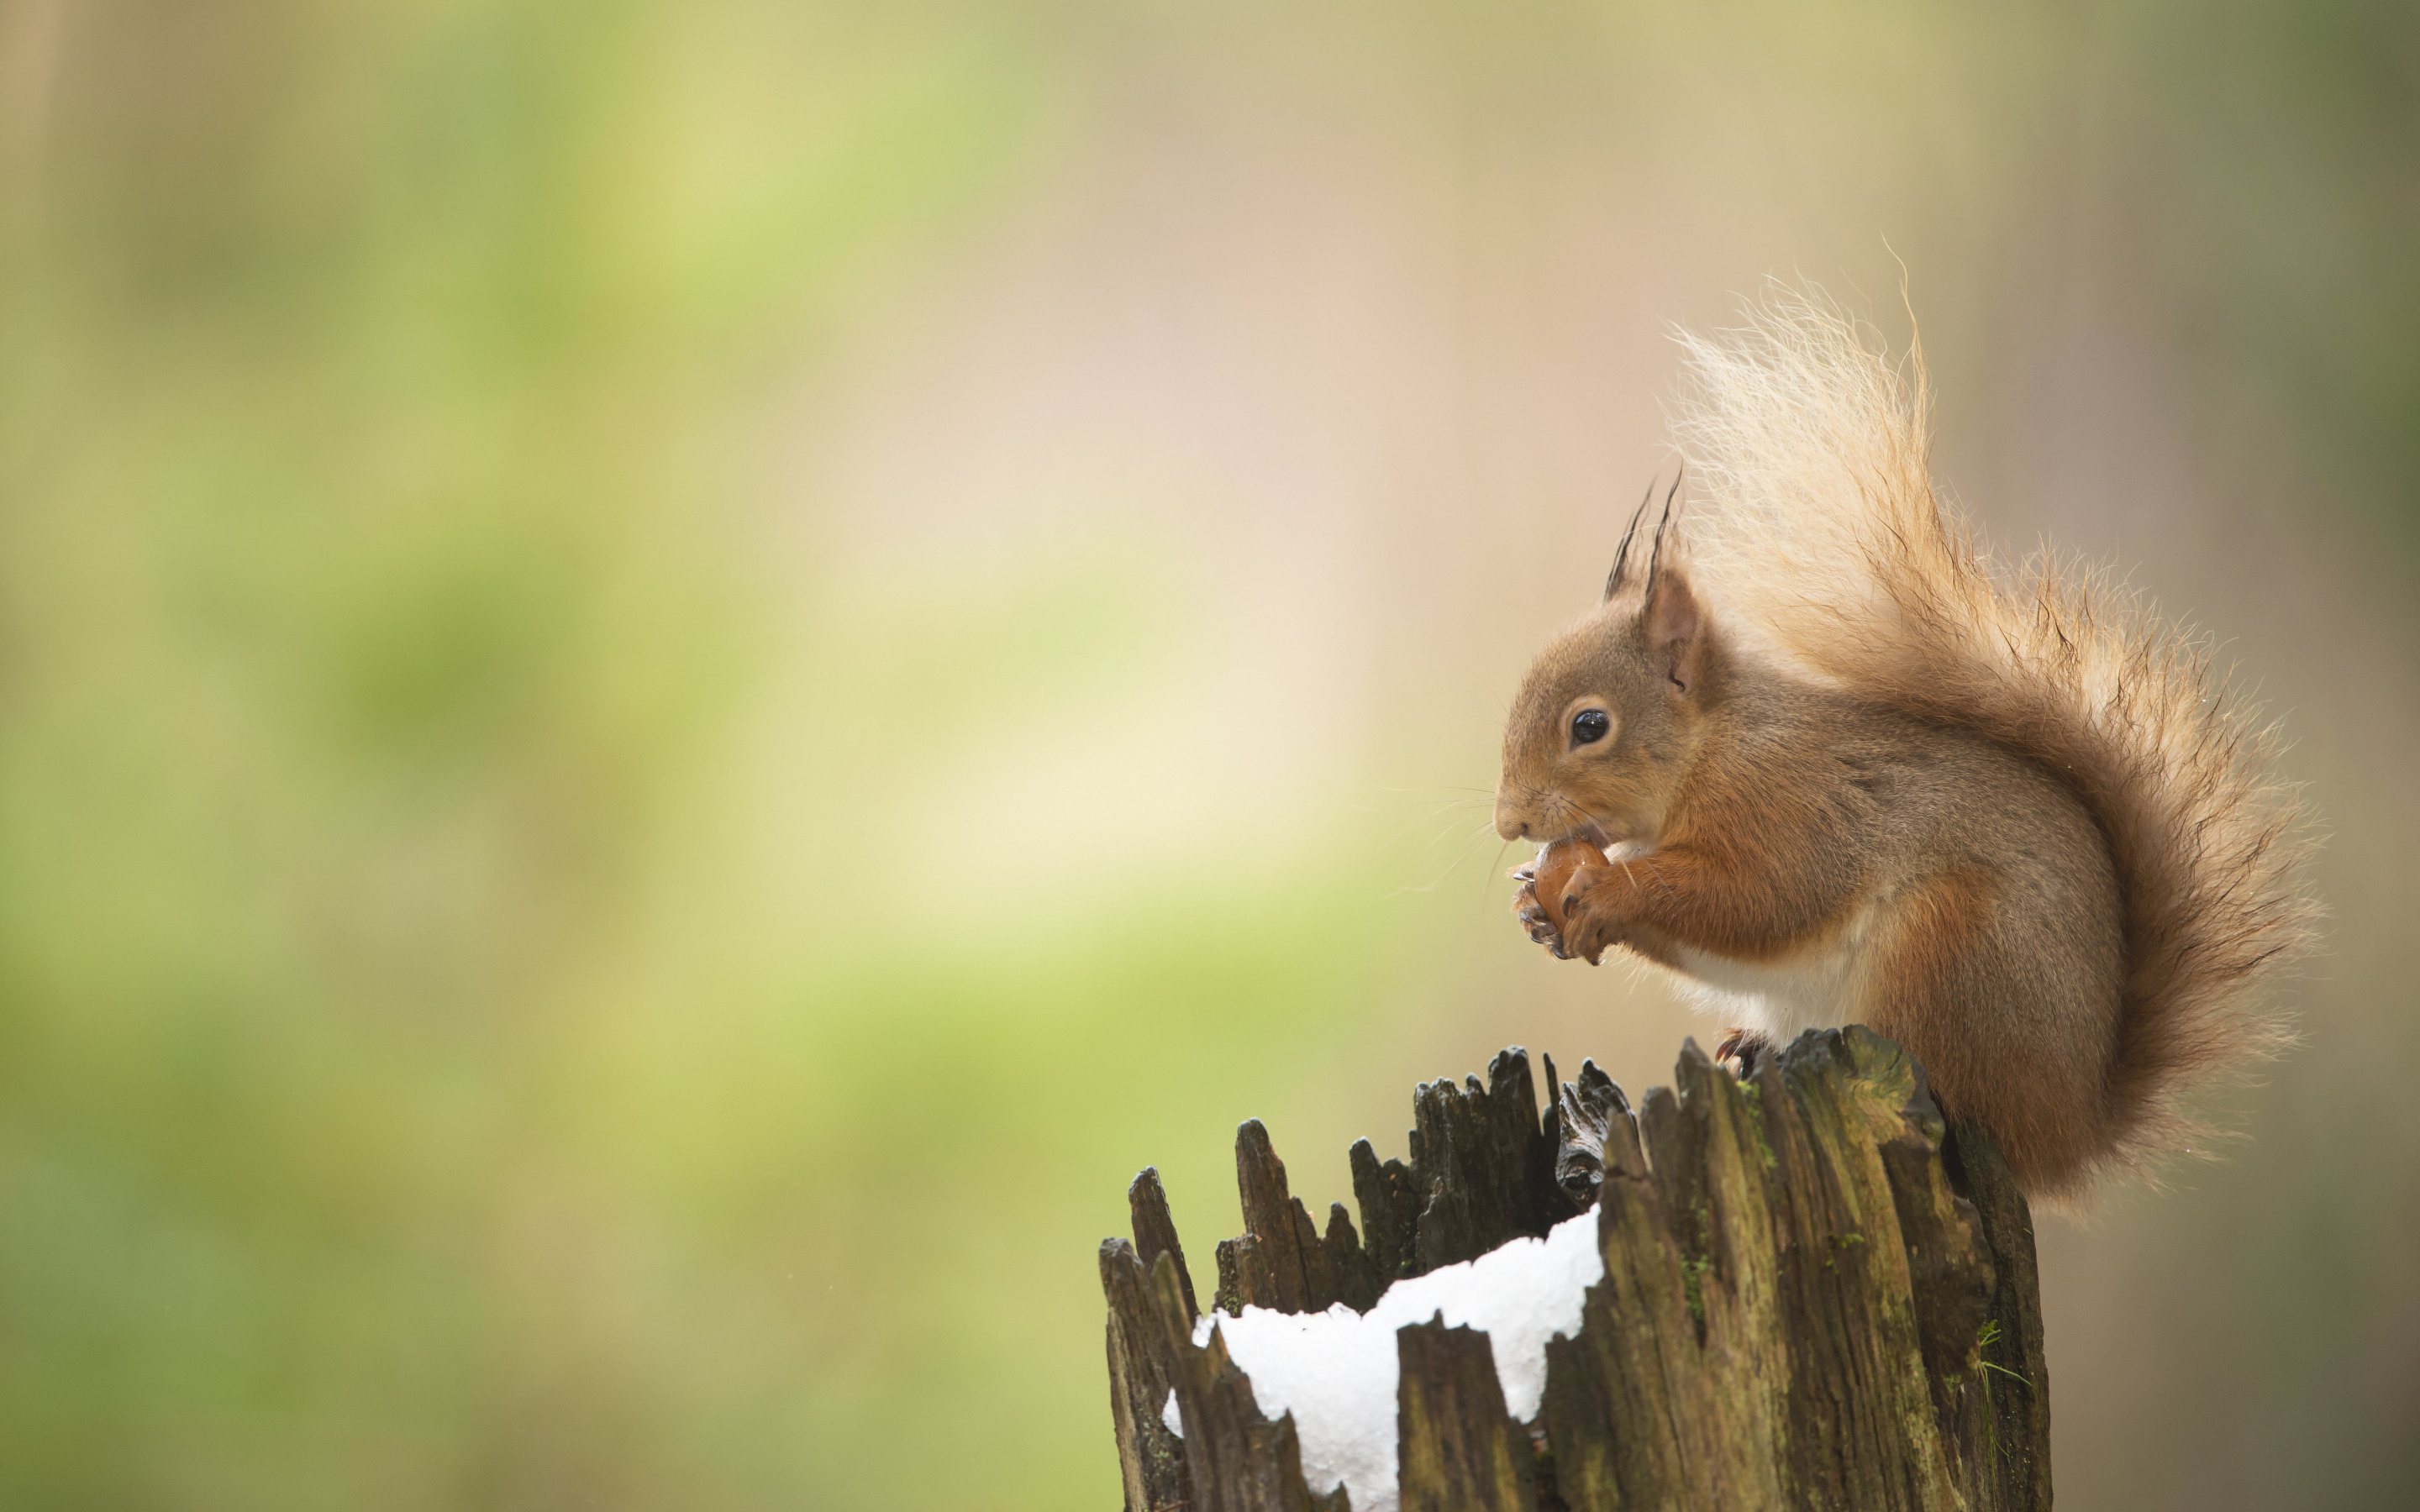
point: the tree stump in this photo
(1814, 1296)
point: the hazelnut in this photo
(1558, 866)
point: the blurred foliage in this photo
(394, 1116)
(369, 602)
(432, 1073)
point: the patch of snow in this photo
(1335, 1371)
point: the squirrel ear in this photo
(1674, 626)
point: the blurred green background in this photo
(675, 677)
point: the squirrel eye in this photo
(1589, 726)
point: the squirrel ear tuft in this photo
(1674, 626)
(1621, 555)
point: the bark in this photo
(1815, 1296)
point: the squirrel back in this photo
(1814, 583)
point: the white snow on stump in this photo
(1335, 1371)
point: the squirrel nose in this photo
(1510, 824)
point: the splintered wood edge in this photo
(1693, 1207)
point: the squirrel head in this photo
(1607, 722)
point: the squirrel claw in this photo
(1740, 1050)
(1532, 915)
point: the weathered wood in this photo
(1358, 1283)
(1244, 1277)
(1390, 1210)
(1594, 1131)
(1143, 1372)
(1154, 1230)
(1949, 1265)
(1235, 1460)
(1860, 1430)
(1485, 1167)
(1300, 1278)
(1718, 1190)
(1627, 1409)
(1458, 1449)
(1814, 1297)
(2011, 1375)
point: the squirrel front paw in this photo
(1533, 917)
(1568, 870)
(1589, 926)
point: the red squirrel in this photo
(1843, 773)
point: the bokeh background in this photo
(675, 677)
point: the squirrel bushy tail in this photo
(1819, 537)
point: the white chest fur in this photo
(1817, 988)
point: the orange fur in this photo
(1854, 776)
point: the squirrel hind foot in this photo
(1740, 1051)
